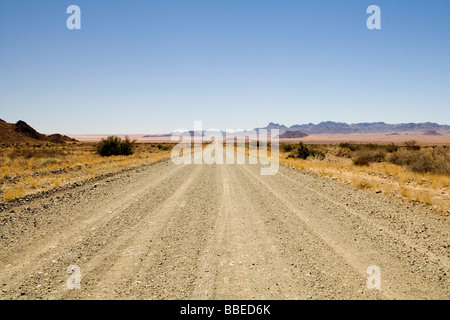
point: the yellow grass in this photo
(32, 182)
(391, 179)
(73, 163)
(13, 193)
(430, 189)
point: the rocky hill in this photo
(293, 135)
(432, 133)
(21, 132)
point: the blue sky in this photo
(144, 66)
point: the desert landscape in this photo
(141, 227)
(224, 158)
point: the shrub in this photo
(384, 147)
(114, 146)
(422, 163)
(364, 184)
(391, 148)
(402, 158)
(350, 146)
(368, 146)
(366, 157)
(425, 161)
(48, 161)
(360, 160)
(317, 154)
(302, 151)
(287, 147)
(163, 147)
(371, 146)
(412, 145)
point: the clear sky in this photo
(152, 66)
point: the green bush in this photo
(412, 145)
(371, 146)
(302, 151)
(163, 146)
(391, 148)
(368, 146)
(115, 146)
(350, 146)
(317, 154)
(287, 147)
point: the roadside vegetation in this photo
(32, 168)
(420, 174)
(115, 146)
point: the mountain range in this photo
(330, 127)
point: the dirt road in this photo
(222, 232)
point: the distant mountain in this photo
(432, 133)
(21, 132)
(59, 138)
(330, 127)
(156, 135)
(293, 134)
(272, 125)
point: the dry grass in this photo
(392, 179)
(27, 170)
(13, 193)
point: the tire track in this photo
(400, 280)
(222, 232)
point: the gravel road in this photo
(222, 232)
